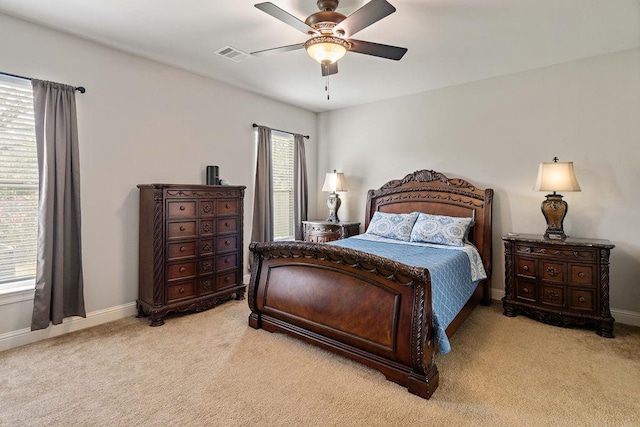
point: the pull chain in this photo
(326, 87)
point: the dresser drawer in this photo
(206, 247)
(206, 285)
(582, 300)
(227, 225)
(180, 291)
(181, 250)
(181, 230)
(552, 271)
(181, 209)
(582, 275)
(181, 270)
(228, 280)
(207, 208)
(228, 207)
(227, 244)
(552, 296)
(226, 262)
(206, 266)
(207, 228)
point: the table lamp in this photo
(555, 176)
(333, 182)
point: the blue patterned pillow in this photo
(392, 226)
(443, 230)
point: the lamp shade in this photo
(334, 182)
(556, 176)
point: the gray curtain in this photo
(300, 192)
(59, 282)
(262, 230)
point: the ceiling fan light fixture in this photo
(326, 49)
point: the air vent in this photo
(233, 54)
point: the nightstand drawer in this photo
(583, 300)
(552, 271)
(552, 296)
(525, 290)
(526, 267)
(581, 274)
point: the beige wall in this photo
(494, 133)
(139, 122)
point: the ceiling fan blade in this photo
(330, 69)
(376, 49)
(266, 52)
(285, 17)
(368, 14)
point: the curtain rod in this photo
(80, 89)
(283, 131)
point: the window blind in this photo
(282, 166)
(18, 182)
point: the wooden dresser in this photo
(561, 282)
(326, 231)
(190, 248)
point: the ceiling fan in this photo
(331, 32)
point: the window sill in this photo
(17, 292)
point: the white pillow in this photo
(440, 229)
(392, 226)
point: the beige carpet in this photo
(211, 369)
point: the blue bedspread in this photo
(450, 270)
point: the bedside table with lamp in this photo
(554, 278)
(332, 228)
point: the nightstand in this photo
(560, 282)
(325, 231)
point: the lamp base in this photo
(554, 210)
(333, 203)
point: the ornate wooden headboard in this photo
(432, 192)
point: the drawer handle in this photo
(581, 299)
(575, 254)
(226, 242)
(525, 290)
(226, 224)
(181, 290)
(552, 271)
(227, 206)
(182, 269)
(182, 228)
(227, 279)
(581, 275)
(182, 207)
(525, 268)
(226, 260)
(182, 249)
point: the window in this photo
(282, 164)
(18, 183)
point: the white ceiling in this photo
(449, 41)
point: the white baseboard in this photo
(25, 336)
(622, 316)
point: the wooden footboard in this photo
(370, 309)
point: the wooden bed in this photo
(364, 307)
